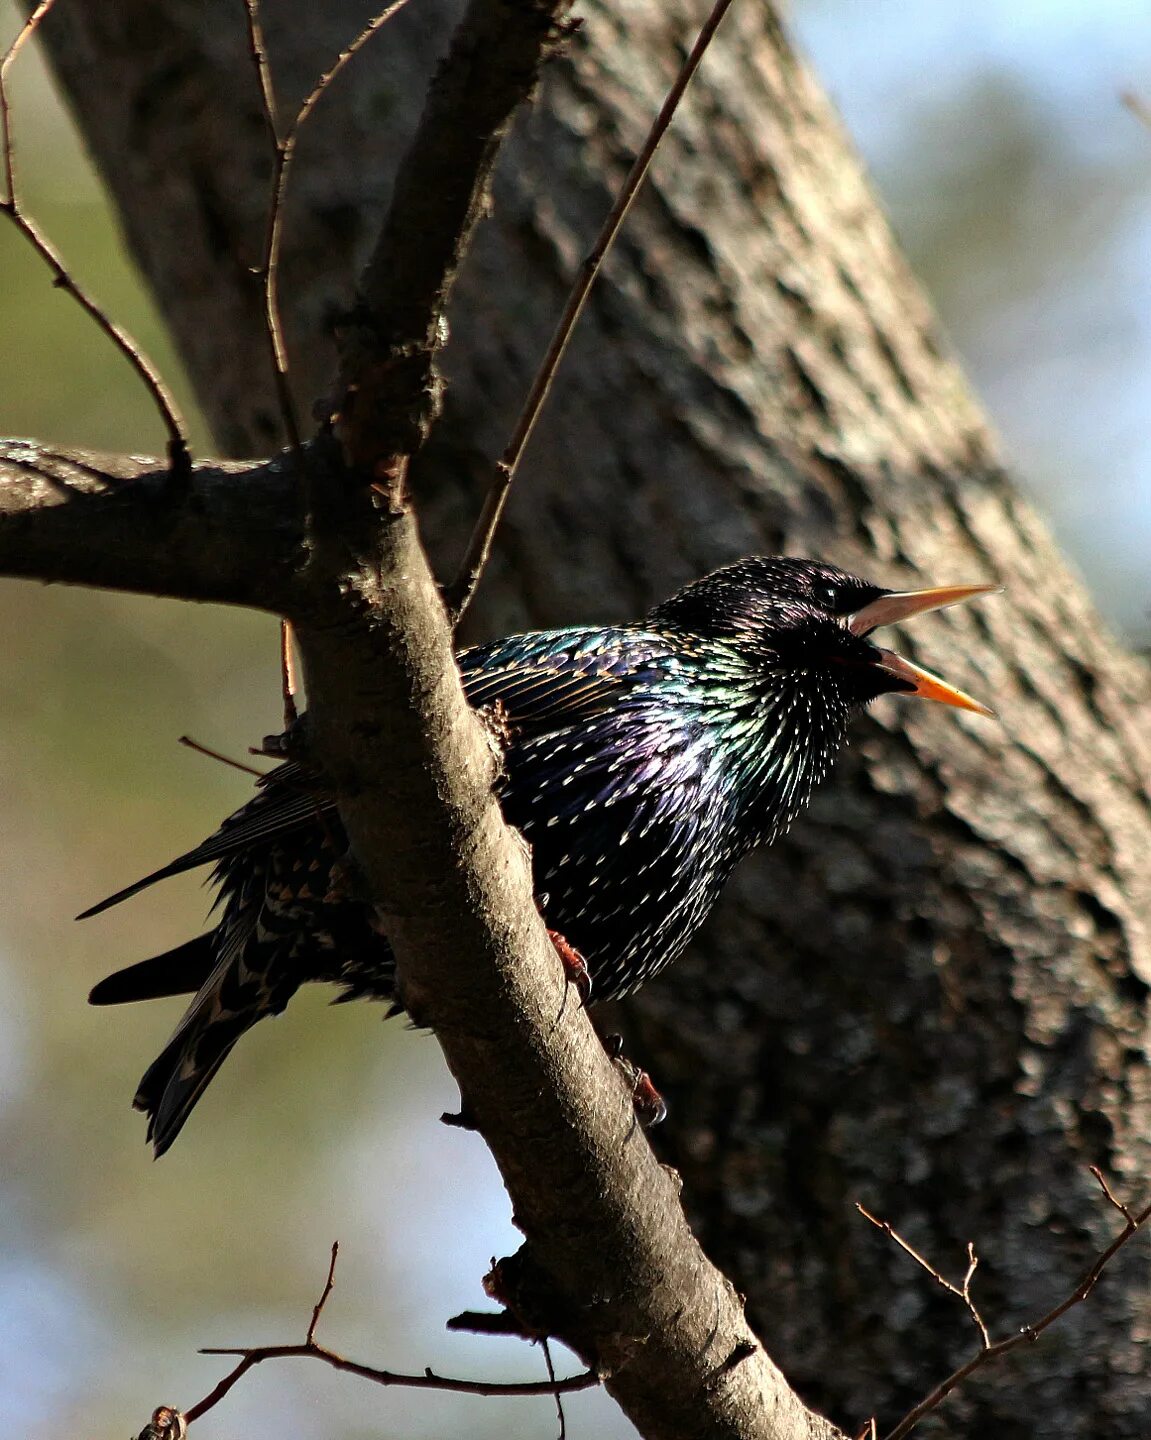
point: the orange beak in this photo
(902, 605)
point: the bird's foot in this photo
(575, 966)
(650, 1106)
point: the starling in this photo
(642, 762)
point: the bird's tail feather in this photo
(181, 971)
(176, 1080)
(180, 1074)
(234, 996)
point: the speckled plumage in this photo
(644, 760)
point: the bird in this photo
(641, 762)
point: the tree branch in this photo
(225, 532)
(610, 1265)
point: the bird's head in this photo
(803, 618)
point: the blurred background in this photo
(1021, 188)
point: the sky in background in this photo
(1021, 188)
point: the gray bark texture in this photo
(932, 996)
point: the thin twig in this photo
(545, 1346)
(223, 759)
(251, 1356)
(283, 156)
(1027, 1334)
(429, 1380)
(266, 271)
(961, 1291)
(1111, 1198)
(62, 279)
(463, 587)
(329, 1284)
(326, 79)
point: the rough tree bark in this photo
(933, 995)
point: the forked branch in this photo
(991, 1350)
(169, 1423)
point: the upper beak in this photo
(901, 605)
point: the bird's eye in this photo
(826, 594)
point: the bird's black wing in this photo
(543, 681)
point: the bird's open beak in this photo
(902, 605)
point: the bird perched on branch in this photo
(642, 762)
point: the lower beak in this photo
(917, 681)
(903, 604)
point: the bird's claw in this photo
(650, 1106)
(575, 966)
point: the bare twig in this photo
(283, 154)
(251, 1356)
(265, 272)
(62, 279)
(992, 1350)
(429, 1380)
(222, 758)
(326, 79)
(962, 1291)
(1111, 1198)
(545, 1346)
(463, 587)
(329, 1284)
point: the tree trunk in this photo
(933, 995)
